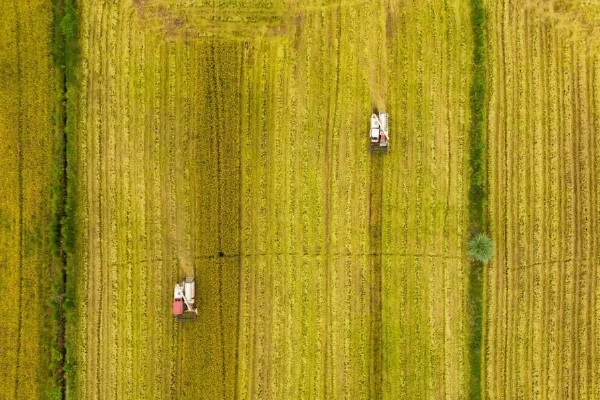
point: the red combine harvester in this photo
(380, 138)
(184, 297)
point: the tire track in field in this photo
(182, 228)
(185, 192)
(126, 283)
(586, 153)
(498, 181)
(155, 218)
(562, 217)
(242, 97)
(503, 166)
(254, 126)
(171, 188)
(103, 364)
(553, 147)
(19, 129)
(592, 256)
(218, 106)
(96, 207)
(546, 212)
(595, 216)
(530, 206)
(585, 314)
(509, 218)
(375, 227)
(575, 166)
(93, 206)
(124, 275)
(163, 200)
(109, 313)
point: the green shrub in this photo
(68, 26)
(481, 248)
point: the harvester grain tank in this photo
(184, 299)
(379, 135)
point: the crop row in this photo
(538, 299)
(28, 328)
(276, 143)
(10, 277)
(424, 200)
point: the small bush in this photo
(481, 248)
(68, 26)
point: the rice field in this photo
(26, 147)
(230, 143)
(542, 292)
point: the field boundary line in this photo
(477, 199)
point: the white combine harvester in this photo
(380, 139)
(184, 297)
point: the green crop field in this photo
(228, 141)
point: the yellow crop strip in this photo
(26, 134)
(424, 204)
(541, 299)
(10, 206)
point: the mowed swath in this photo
(424, 224)
(305, 223)
(159, 147)
(26, 140)
(542, 287)
(233, 147)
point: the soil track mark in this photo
(19, 129)
(375, 227)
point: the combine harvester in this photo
(184, 297)
(380, 139)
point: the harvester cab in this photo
(378, 134)
(184, 297)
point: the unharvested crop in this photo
(27, 268)
(542, 285)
